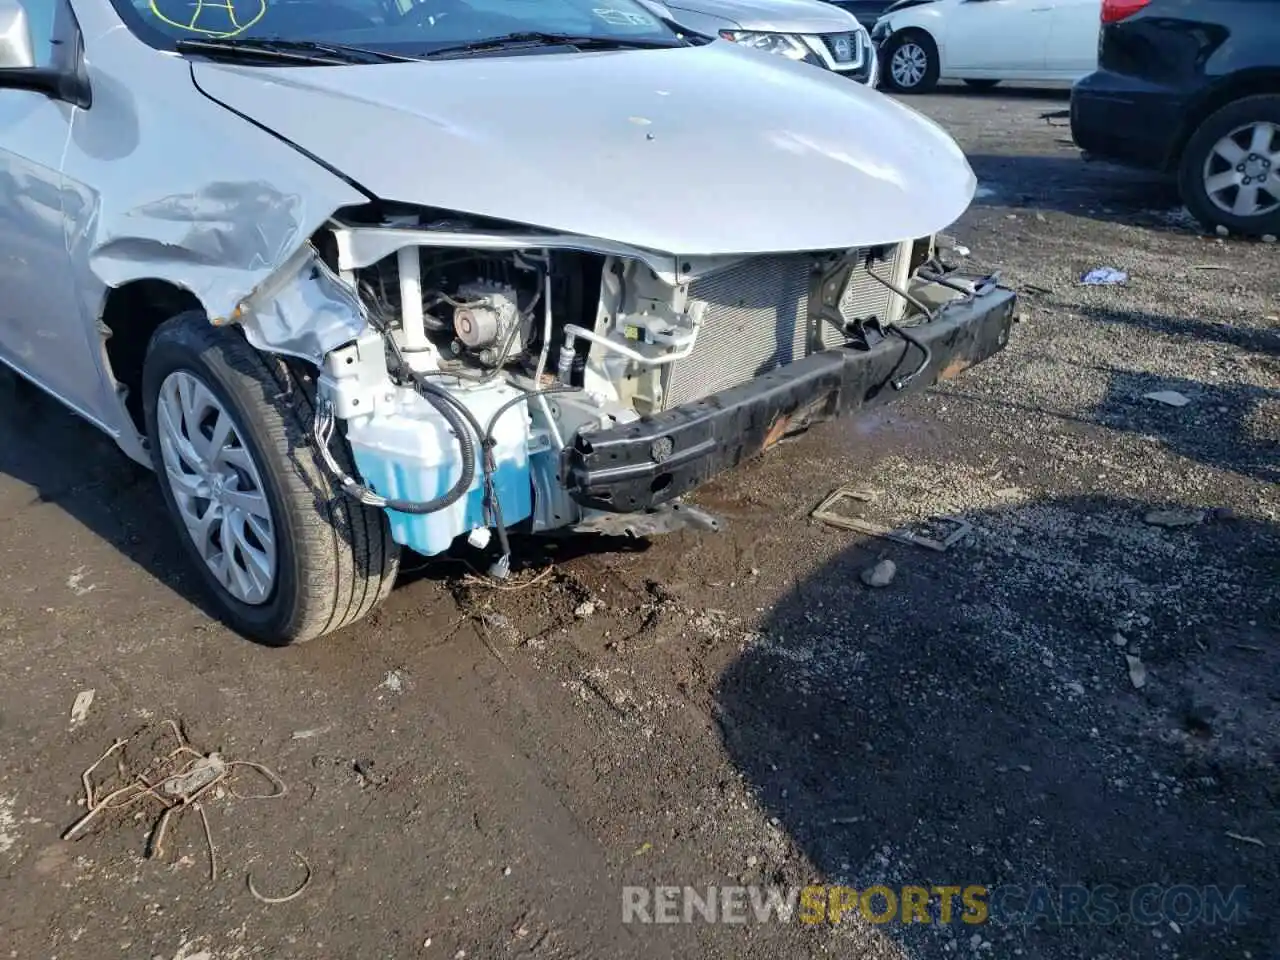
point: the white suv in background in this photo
(812, 31)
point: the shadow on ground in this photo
(1069, 184)
(1215, 427)
(1224, 424)
(976, 722)
(72, 464)
(1246, 338)
(1004, 91)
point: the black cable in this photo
(528, 395)
(493, 508)
(459, 417)
(902, 382)
(466, 449)
(359, 491)
(442, 399)
(921, 346)
(488, 443)
(946, 282)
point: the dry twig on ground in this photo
(177, 780)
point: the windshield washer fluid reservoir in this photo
(409, 452)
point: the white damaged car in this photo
(362, 275)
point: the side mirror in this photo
(18, 71)
(16, 52)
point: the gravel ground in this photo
(478, 773)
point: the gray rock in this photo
(1137, 671)
(1170, 398)
(881, 575)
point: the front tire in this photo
(911, 62)
(285, 555)
(1229, 175)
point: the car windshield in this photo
(407, 28)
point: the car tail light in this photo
(1113, 11)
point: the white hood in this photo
(695, 150)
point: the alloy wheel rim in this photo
(1242, 171)
(908, 64)
(217, 487)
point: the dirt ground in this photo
(478, 772)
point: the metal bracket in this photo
(826, 289)
(668, 518)
(825, 513)
(865, 332)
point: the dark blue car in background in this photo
(1191, 88)
(867, 11)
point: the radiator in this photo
(757, 319)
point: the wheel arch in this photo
(130, 314)
(1237, 86)
(914, 30)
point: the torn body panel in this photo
(210, 206)
(303, 310)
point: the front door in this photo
(1001, 36)
(42, 332)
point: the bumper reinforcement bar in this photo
(641, 465)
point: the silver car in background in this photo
(810, 31)
(361, 276)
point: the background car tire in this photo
(916, 48)
(335, 560)
(1202, 153)
(982, 84)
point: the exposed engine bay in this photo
(483, 373)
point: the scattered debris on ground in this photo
(311, 732)
(80, 708)
(1137, 671)
(1170, 398)
(1186, 517)
(393, 682)
(76, 584)
(939, 533)
(297, 892)
(1175, 518)
(1105, 277)
(1243, 839)
(178, 780)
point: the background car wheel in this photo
(982, 84)
(911, 62)
(1230, 170)
(285, 554)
